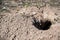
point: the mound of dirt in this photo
(16, 23)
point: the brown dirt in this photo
(16, 23)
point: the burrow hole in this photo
(42, 25)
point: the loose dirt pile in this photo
(17, 23)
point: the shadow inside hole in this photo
(42, 25)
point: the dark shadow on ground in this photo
(41, 25)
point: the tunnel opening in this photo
(42, 25)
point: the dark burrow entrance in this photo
(42, 25)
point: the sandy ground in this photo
(16, 23)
